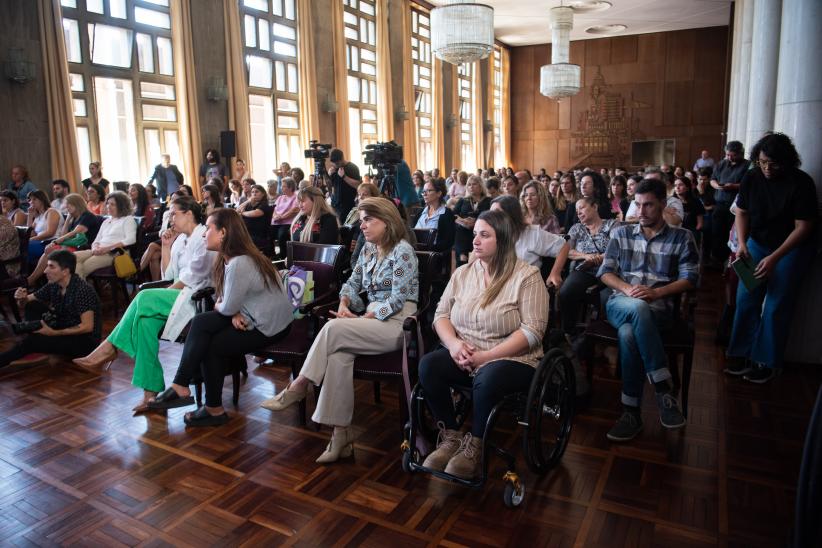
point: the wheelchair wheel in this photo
(514, 492)
(549, 412)
(409, 455)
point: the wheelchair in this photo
(545, 414)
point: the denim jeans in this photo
(761, 333)
(640, 344)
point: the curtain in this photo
(186, 89)
(455, 133)
(505, 125)
(340, 76)
(489, 111)
(65, 162)
(477, 128)
(385, 102)
(238, 118)
(409, 126)
(437, 121)
(309, 111)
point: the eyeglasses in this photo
(767, 164)
(428, 191)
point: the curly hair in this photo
(122, 202)
(779, 148)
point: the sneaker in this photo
(466, 463)
(626, 428)
(448, 443)
(762, 374)
(669, 413)
(738, 368)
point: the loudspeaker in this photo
(228, 144)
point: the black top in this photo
(104, 182)
(604, 209)
(159, 177)
(79, 297)
(343, 194)
(211, 170)
(727, 173)
(774, 204)
(693, 208)
(258, 227)
(465, 208)
(88, 220)
(708, 199)
(324, 231)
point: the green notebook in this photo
(745, 270)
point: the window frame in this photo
(422, 58)
(352, 8)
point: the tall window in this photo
(270, 38)
(422, 66)
(497, 114)
(361, 61)
(122, 81)
(465, 93)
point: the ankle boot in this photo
(466, 463)
(448, 443)
(341, 445)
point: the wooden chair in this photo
(10, 285)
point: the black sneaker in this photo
(669, 413)
(740, 367)
(762, 374)
(626, 428)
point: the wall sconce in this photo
(330, 105)
(17, 69)
(401, 114)
(487, 126)
(451, 121)
(217, 89)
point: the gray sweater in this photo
(268, 310)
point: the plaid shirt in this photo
(667, 257)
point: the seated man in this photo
(72, 326)
(644, 264)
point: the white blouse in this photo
(117, 229)
(534, 244)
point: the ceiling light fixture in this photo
(560, 78)
(590, 6)
(606, 29)
(462, 31)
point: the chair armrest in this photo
(159, 284)
(325, 298)
(322, 311)
(203, 293)
(280, 264)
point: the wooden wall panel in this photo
(650, 86)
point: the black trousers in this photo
(280, 234)
(572, 297)
(494, 381)
(721, 222)
(212, 346)
(72, 346)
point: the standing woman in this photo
(775, 220)
(252, 311)
(257, 216)
(286, 209)
(435, 215)
(44, 220)
(96, 199)
(387, 270)
(466, 212)
(95, 169)
(691, 204)
(10, 204)
(490, 321)
(316, 223)
(537, 208)
(118, 230)
(142, 205)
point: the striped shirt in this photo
(521, 305)
(667, 257)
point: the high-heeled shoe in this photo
(105, 362)
(286, 398)
(341, 445)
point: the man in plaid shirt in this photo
(645, 264)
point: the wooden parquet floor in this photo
(77, 469)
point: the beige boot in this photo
(285, 398)
(448, 443)
(341, 445)
(466, 463)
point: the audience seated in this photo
(537, 208)
(592, 185)
(387, 271)
(645, 265)
(316, 223)
(118, 230)
(490, 321)
(186, 262)
(10, 204)
(674, 211)
(142, 205)
(212, 199)
(458, 188)
(256, 214)
(435, 215)
(466, 211)
(60, 189)
(152, 255)
(618, 194)
(9, 249)
(72, 326)
(252, 311)
(96, 199)
(694, 211)
(565, 198)
(775, 221)
(21, 185)
(44, 221)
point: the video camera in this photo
(318, 151)
(24, 328)
(383, 156)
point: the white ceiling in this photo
(527, 22)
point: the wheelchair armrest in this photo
(594, 289)
(203, 293)
(159, 284)
(280, 264)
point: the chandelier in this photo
(560, 78)
(462, 31)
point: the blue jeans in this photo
(761, 333)
(640, 344)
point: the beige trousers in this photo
(88, 263)
(331, 359)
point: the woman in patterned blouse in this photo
(491, 320)
(387, 270)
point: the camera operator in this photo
(345, 178)
(67, 310)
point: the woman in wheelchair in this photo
(185, 260)
(252, 311)
(490, 321)
(387, 271)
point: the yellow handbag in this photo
(124, 265)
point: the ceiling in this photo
(527, 22)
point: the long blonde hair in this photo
(502, 265)
(543, 211)
(320, 208)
